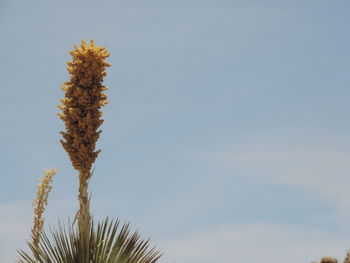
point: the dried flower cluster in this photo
(82, 115)
(81, 106)
(40, 202)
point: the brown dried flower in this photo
(81, 106)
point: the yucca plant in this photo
(82, 241)
(108, 243)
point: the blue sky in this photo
(227, 131)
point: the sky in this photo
(227, 135)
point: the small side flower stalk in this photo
(39, 204)
(82, 116)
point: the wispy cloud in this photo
(245, 243)
(322, 171)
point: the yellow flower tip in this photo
(51, 172)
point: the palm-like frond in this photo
(107, 243)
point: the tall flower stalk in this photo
(87, 242)
(81, 114)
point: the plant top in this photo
(81, 105)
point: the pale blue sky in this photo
(227, 130)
